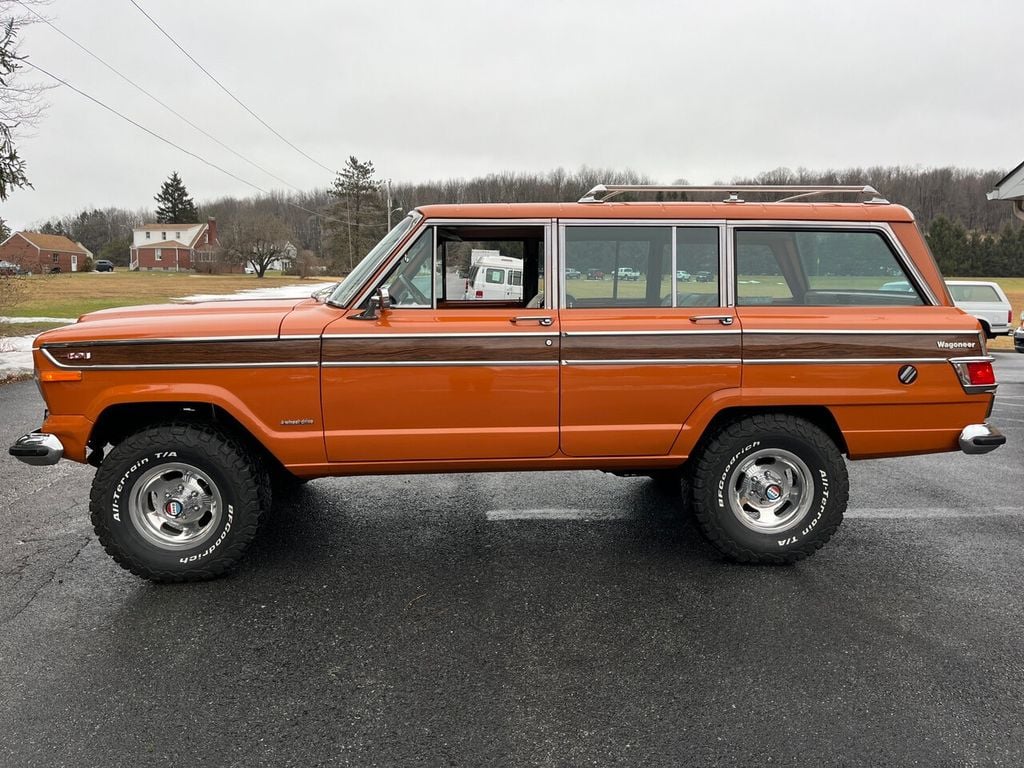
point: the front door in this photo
(441, 375)
(647, 334)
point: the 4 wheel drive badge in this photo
(907, 374)
(174, 508)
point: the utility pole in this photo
(388, 183)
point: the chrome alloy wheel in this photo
(175, 506)
(770, 491)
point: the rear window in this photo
(974, 293)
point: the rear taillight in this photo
(1009, 317)
(975, 373)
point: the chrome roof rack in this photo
(604, 192)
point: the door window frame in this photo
(725, 275)
(392, 261)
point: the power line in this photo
(170, 109)
(155, 135)
(229, 93)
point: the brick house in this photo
(173, 247)
(38, 253)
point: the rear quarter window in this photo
(819, 267)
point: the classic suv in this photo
(750, 387)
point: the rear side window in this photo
(829, 267)
(636, 266)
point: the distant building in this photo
(1011, 187)
(173, 247)
(38, 253)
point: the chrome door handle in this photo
(723, 319)
(540, 319)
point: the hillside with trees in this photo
(334, 226)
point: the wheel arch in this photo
(819, 415)
(118, 421)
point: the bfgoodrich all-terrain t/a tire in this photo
(770, 488)
(178, 502)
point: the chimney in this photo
(211, 231)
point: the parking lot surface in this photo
(525, 619)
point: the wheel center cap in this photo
(174, 509)
(773, 492)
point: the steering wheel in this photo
(410, 290)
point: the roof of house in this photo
(1010, 187)
(52, 242)
(169, 226)
(163, 244)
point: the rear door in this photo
(639, 355)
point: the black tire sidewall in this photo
(822, 518)
(115, 483)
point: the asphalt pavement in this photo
(527, 619)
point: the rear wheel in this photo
(178, 502)
(770, 488)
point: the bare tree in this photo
(255, 239)
(20, 101)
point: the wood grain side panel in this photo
(691, 346)
(781, 346)
(170, 354)
(441, 349)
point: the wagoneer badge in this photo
(942, 344)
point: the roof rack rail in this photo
(604, 192)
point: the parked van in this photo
(495, 278)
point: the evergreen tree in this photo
(357, 205)
(174, 206)
(5, 231)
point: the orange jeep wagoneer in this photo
(749, 384)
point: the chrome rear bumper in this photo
(980, 438)
(37, 448)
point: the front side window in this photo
(348, 287)
(827, 267)
(411, 282)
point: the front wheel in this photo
(770, 488)
(178, 502)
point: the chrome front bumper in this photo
(37, 448)
(980, 438)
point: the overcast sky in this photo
(701, 90)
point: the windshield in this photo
(350, 285)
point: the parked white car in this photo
(986, 301)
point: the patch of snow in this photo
(16, 351)
(13, 320)
(15, 355)
(301, 291)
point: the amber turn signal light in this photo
(49, 376)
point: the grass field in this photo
(70, 295)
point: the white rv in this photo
(494, 277)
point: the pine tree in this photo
(174, 206)
(356, 192)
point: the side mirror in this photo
(379, 303)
